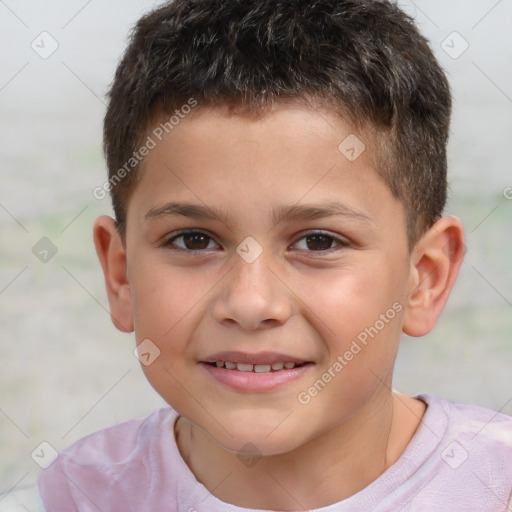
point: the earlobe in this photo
(112, 255)
(435, 264)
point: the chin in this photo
(258, 446)
(255, 439)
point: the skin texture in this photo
(293, 298)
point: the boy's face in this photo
(309, 297)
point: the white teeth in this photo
(258, 368)
(261, 368)
(244, 367)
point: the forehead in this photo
(236, 163)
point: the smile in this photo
(255, 378)
(257, 368)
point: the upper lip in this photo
(257, 358)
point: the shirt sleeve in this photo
(53, 482)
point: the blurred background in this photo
(64, 369)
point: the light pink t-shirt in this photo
(460, 459)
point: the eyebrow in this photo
(275, 214)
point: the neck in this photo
(326, 470)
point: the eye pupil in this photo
(320, 242)
(196, 240)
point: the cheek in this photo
(164, 299)
(348, 299)
(357, 313)
(166, 303)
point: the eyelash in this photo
(342, 243)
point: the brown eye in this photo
(320, 242)
(192, 241)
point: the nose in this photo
(253, 296)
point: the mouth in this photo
(256, 372)
(256, 368)
(261, 362)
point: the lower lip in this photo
(253, 381)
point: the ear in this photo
(112, 255)
(435, 263)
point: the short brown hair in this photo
(365, 58)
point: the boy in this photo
(278, 176)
